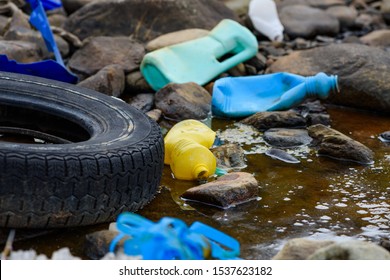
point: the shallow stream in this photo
(319, 198)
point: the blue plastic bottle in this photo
(244, 96)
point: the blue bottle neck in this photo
(321, 85)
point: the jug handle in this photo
(238, 56)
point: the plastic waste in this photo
(187, 150)
(189, 129)
(244, 96)
(265, 19)
(191, 161)
(202, 59)
(50, 4)
(49, 69)
(171, 239)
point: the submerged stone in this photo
(281, 155)
(267, 120)
(385, 136)
(230, 156)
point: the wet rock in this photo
(176, 37)
(363, 73)
(56, 20)
(300, 248)
(227, 191)
(142, 101)
(385, 136)
(136, 83)
(321, 4)
(314, 112)
(385, 243)
(102, 51)
(183, 101)
(281, 155)
(155, 114)
(377, 38)
(314, 118)
(337, 145)
(230, 156)
(286, 138)
(351, 250)
(145, 19)
(306, 22)
(110, 81)
(385, 10)
(240, 7)
(71, 6)
(96, 244)
(22, 52)
(267, 120)
(346, 15)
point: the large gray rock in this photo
(300, 248)
(145, 19)
(226, 191)
(110, 81)
(351, 250)
(183, 101)
(307, 22)
(337, 145)
(102, 51)
(363, 71)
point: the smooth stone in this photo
(183, 101)
(300, 248)
(377, 38)
(240, 7)
(136, 83)
(227, 191)
(351, 250)
(281, 155)
(306, 22)
(99, 52)
(97, 244)
(346, 15)
(267, 120)
(110, 80)
(363, 73)
(142, 101)
(177, 37)
(286, 138)
(385, 10)
(230, 156)
(22, 52)
(154, 114)
(385, 136)
(334, 144)
(145, 20)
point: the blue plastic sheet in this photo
(49, 69)
(171, 239)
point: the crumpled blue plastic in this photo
(171, 239)
(50, 69)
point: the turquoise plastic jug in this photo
(244, 96)
(202, 59)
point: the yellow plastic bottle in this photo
(192, 161)
(188, 129)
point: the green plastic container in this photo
(202, 59)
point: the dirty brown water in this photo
(319, 198)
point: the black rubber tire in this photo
(114, 163)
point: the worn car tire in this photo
(107, 157)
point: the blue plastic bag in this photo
(171, 239)
(49, 69)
